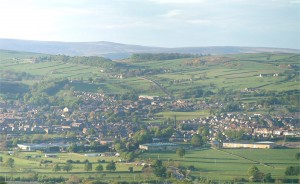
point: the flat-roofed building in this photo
(44, 147)
(50, 155)
(257, 145)
(158, 146)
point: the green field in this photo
(233, 72)
(224, 164)
(25, 166)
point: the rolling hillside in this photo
(118, 51)
(179, 77)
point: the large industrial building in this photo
(256, 145)
(158, 146)
(43, 147)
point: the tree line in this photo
(95, 61)
(159, 56)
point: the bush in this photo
(292, 171)
(70, 161)
(239, 179)
(46, 161)
(101, 161)
(192, 168)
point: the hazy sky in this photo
(168, 23)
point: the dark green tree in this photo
(158, 168)
(197, 140)
(142, 136)
(268, 178)
(111, 166)
(180, 152)
(73, 148)
(56, 168)
(9, 163)
(99, 168)
(68, 167)
(118, 147)
(254, 174)
(88, 166)
(297, 156)
(292, 171)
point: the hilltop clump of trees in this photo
(94, 61)
(159, 56)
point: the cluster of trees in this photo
(88, 166)
(195, 93)
(95, 61)
(17, 76)
(180, 152)
(235, 134)
(66, 167)
(51, 92)
(292, 171)
(10, 162)
(159, 56)
(36, 177)
(94, 146)
(13, 87)
(129, 96)
(159, 169)
(255, 175)
(197, 140)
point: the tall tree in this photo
(297, 156)
(9, 163)
(254, 174)
(99, 167)
(158, 168)
(88, 166)
(68, 167)
(180, 152)
(197, 140)
(56, 168)
(111, 166)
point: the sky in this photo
(164, 23)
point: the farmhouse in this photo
(158, 146)
(257, 145)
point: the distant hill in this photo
(117, 51)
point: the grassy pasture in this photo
(24, 166)
(233, 72)
(229, 163)
(224, 164)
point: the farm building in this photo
(257, 145)
(92, 155)
(31, 147)
(50, 155)
(158, 146)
